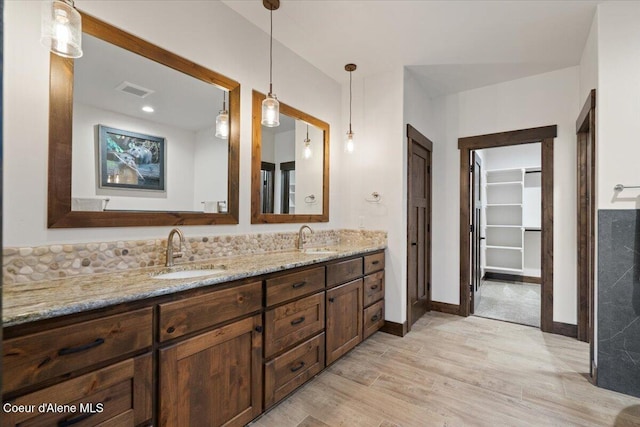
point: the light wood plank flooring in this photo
(455, 371)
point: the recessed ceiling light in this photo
(147, 109)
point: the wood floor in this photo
(455, 371)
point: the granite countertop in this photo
(28, 302)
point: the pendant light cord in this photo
(224, 100)
(350, 75)
(271, 54)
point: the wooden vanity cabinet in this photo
(214, 378)
(344, 319)
(84, 367)
(373, 294)
(294, 331)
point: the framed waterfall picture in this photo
(131, 160)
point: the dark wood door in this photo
(344, 319)
(213, 379)
(418, 225)
(476, 229)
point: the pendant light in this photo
(349, 145)
(61, 28)
(307, 153)
(222, 120)
(271, 106)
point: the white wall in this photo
(589, 62)
(545, 99)
(210, 168)
(208, 33)
(375, 166)
(618, 104)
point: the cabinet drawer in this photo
(373, 319)
(344, 271)
(373, 288)
(178, 318)
(293, 322)
(110, 396)
(37, 357)
(294, 285)
(287, 372)
(373, 263)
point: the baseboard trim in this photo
(565, 329)
(444, 307)
(393, 328)
(512, 277)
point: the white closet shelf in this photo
(505, 269)
(510, 248)
(503, 226)
(489, 184)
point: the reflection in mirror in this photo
(296, 177)
(160, 152)
(291, 173)
(133, 138)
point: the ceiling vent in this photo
(133, 89)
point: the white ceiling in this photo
(179, 100)
(449, 45)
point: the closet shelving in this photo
(504, 229)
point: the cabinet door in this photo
(213, 379)
(344, 319)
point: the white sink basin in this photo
(188, 273)
(319, 251)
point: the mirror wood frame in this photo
(257, 217)
(59, 214)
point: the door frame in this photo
(476, 248)
(544, 135)
(586, 211)
(414, 135)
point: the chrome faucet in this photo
(301, 240)
(170, 254)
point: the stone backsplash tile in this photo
(30, 264)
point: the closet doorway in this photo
(506, 211)
(506, 233)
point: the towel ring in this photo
(375, 197)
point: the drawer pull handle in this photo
(374, 287)
(376, 262)
(75, 420)
(297, 321)
(297, 368)
(71, 350)
(375, 318)
(332, 299)
(171, 330)
(298, 285)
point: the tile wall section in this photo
(30, 264)
(619, 300)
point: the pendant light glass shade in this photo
(307, 153)
(270, 111)
(222, 121)
(349, 145)
(61, 28)
(270, 105)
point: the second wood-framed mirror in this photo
(133, 138)
(289, 167)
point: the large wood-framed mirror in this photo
(289, 167)
(113, 163)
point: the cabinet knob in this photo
(259, 329)
(171, 330)
(332, 299)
